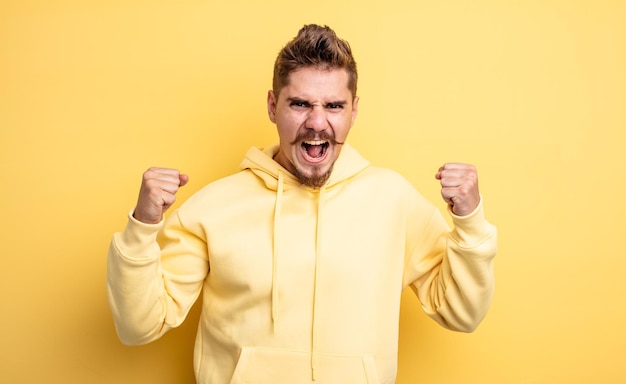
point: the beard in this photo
(316, 179)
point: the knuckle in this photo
(149, 174)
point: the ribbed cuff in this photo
(473, 227)
(138, 239)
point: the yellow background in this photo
(532, 92)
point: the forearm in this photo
(457, 292)
(135, 286)
(464, 292)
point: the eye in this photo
(299, 104)
(334, 106)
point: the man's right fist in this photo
(158, 193)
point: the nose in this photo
(317, 119)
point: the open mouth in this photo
(315, 150)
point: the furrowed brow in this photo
(297, 99)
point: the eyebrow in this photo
(291, 99)
(301, 100)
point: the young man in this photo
(302, 256)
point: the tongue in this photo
(314, 150)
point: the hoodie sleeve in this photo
(154, 275)
(451, 271)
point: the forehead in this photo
(314, 83)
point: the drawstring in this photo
(275, 252)
(318, 251)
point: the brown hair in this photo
(318, 47)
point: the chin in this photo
(314, 178)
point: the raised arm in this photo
(451, 271)
(147, 296)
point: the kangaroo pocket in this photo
(275, 366)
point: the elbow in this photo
(466, 323)
(468, 326)
(134, 330)
(129, 341)
(466, 315)
(131, 336)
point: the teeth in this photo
(315, 142)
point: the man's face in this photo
(313, 115)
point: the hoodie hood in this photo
(260, 161)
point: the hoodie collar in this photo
(260, 161)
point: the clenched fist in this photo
(459, 187)
(158, 193)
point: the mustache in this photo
(309, 135)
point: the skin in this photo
(459, 187)
(157, 193)
(316, 106)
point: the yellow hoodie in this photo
(299, 284)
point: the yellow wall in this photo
(533, 92)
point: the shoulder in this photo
(224, 191)
(385, 178)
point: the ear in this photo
(355, 108)
(271, 105)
